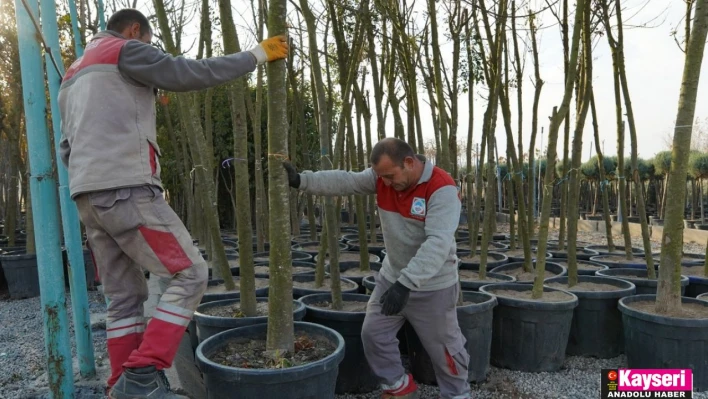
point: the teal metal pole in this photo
(101, 15)
(44, 206)
(78, 46)
(69, 213)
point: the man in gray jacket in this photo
(109, 145)
(419, 207)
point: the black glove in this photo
(293, 176)
(394, 299)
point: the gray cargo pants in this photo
(130, 229)
(433, 315)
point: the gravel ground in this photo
(22, 364)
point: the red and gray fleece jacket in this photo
(107, 107)
(418, 225)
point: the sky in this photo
(654, 65)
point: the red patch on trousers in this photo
(167, 248)
(451, 363)
(153, 162)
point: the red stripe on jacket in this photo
(104, 51)
(413, 203)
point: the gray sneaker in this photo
(143, 383)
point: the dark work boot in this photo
(143, 383)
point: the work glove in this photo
(293, 176)
(394, 299)
(272, 49)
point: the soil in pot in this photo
(220, 288)
(356, 272)
(551, 296)
(522, 276)
(264, 270)
(234, 310)
(351, 257)
(583, 266)
(326, 286)
(688, 310)
(347, 306)
(252, 353)
(583, 286)
(472, 275)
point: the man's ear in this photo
(408, 162)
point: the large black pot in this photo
(373, 249)
(550, 267)
(494, 259)
(263, 257)
(619, 250)
(312, 247)
(21, 274)
(306, 265)
(529, 335)
(697, 282)
(208, 326)
(348, 286)
(644, 285)
(355, 375)
(369, 283)
(344, 266)
(314, 380)
(581, 271)
(534, 254)
(656, 342)
(619, 262)
(475, 321)
(597, 323)
(474, 285)
(580, 254)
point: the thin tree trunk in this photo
(557, 117)
(534, 128)
(668, 297)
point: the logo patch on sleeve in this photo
(418, 207)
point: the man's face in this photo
(393, 175)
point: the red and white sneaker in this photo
(405, 388)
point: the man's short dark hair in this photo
(396, 149)
(124, 18)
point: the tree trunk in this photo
(604, 187)
(557, 117)
(566, 129)
(669, 289)
(243, 195)
(585, 90)
(197, 145)
(534, 128)
(444, 154)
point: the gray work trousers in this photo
(433, 315)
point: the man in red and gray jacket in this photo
(419, 209)
(109, 145)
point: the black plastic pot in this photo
(355, 237)
(474, 285)
(602, 250)
(551, 267)
(314, 380)
(374, 249)
(703, 297)
(344, 266)
(211, 297)
(309, 265)
(297, 256)
(655, 342)
(597, 323)
(495, 246)
(529, 335)
(613, 262)
(372, 257)
(21, 274)
(494, 260)
(308, 247)
(697, 285)
(639, 279)
(581, 271)
(355, 376)
(208, 326)
(475, 321)
(581, 253)
(300, 292)
(369, 283)
(514, 259)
